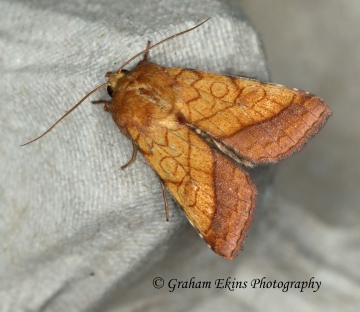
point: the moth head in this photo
(113, 78)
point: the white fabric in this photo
(78, 233)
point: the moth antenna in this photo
(162, 41)
(67, 113)
(106, 84)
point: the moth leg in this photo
(133, 157)
(106, 104)
(147, 52)
(165, 200)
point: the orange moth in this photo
(199, 131)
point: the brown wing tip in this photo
(318, 108)
(304, 120)
(228, 233)
(229, 249)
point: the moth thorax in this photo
(165, 110)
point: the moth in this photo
(199, 132)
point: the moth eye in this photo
(125, 71)
(109, 91)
